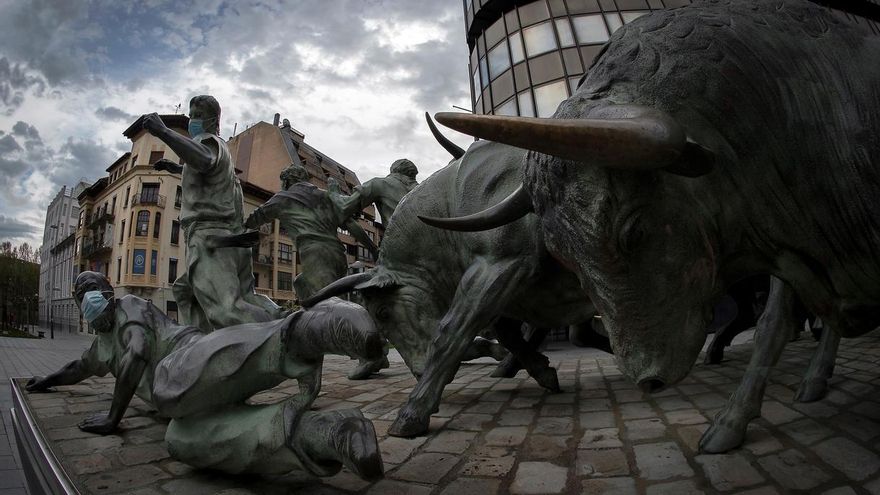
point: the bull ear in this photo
(695, 161)
(379, 280)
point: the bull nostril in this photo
(652, 385)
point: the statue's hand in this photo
(99, 423)
(153, 123)
(36, 384)
(166, 164)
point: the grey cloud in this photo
(14, 82)
(113, 113)
(26, 131)
(8, 144)
(12, 228)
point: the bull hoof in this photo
(408, 426)
(547, 378)
(714, 356)
(365, 369)
(812, 390)
(507, 368)
(722, 437)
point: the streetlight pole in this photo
(52, 283)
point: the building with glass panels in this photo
(527, 56)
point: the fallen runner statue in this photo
(202, 380)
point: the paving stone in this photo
(759, 441)
(674, 488)
(792, 470)
(143, 454)
(496, 467)
(451, 441)
(396, 450)
(524, 402)
(636, 410)
(546, 446)
(673, 403)
(600, 438)
(470, 422)
(856, 425)
(426, 468)
(691, 435)
(124, 480)
(516, 417)
(609, 486)
(599, 463)
(708, 401)
(554, 425)
(557, 410)
(484, 407)
(729, 471)
(596, 420)
(90, 445)
(87, 464)
(661, 461)
(848, 457)
(392, 487)
(806, 431)
(506, 435)
(685, 417)
(472, 486)
(644, 429)
(589, 405)
(539, 477)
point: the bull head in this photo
(635, 239)
(404, 313)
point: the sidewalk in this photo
(23, 358)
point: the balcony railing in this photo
(100, 218)
(263, 259)
(97, 247)
(148, 199)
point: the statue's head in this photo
(293, 174)
(405, 167)
(204, 115)
(285, 123)
(94, 296)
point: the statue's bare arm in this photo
(199, 156)
(131, 369)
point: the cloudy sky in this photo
(355, 76)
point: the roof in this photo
(177, 120)
(94, 189)
(119, 160)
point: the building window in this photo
(256, 279)
(130, 224)
(171, 310)
(285, 281)
(118, 269)
(150, 193)
(172, 270)
(499, 60)
(127, 194)
(175, 232)
(154, 260)
(363, 254)
(177, 197)
(113, 207)
(549, 96)
(155, 156)
(134, 160)
(143, 223)
(540, 39)
(122, 233)
(285, 253)
(156, 224)
(590, 29)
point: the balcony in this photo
(93, 248)
(148, 199)
(264, 292)
(101, 218)
(263, 259)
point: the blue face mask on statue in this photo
(93, 304)
(197, 126)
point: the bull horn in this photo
(649, 141)
(451, 147)
(337, 288)
(512, 208)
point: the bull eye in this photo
(632, 234)
(384, 313)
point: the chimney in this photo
(276, 120)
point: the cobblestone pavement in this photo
(602, 435)
(28, 357)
